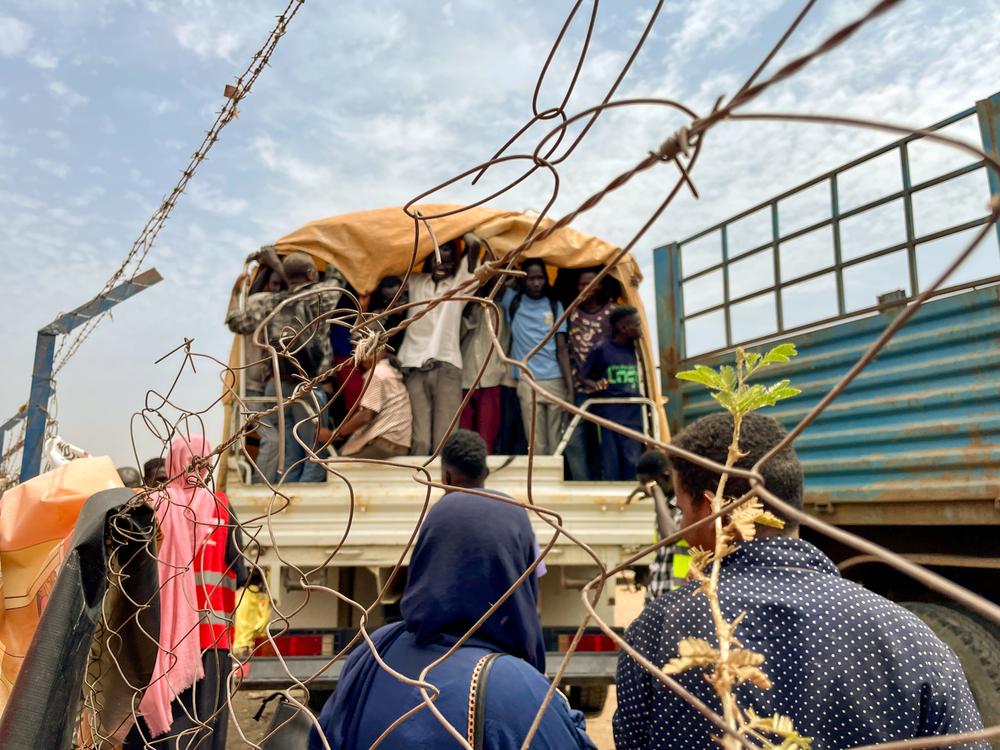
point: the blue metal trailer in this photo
(909, 455)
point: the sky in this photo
(368, 104)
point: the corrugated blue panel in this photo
(921, 422)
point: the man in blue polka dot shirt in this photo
(848, 666)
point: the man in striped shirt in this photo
(382, 425)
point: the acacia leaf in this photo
(753, 675)
(780, 353)
(692, 653)
(744, 657)
(767, 518)
(704, 375)
(727, 375)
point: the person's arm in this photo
(631, 721)
(562, 354)
(472, 248)
(246, 321)
(359, 419)
(268, 258)
(592, 376)
(234, 296)
(949, 707)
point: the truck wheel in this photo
(977, 649)
(588, 698)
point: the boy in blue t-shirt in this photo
(612, 371)
(532, 313)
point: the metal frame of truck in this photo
(387, 505)
(909, 455)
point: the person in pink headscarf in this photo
(199, 564)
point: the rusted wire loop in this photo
(267, 549)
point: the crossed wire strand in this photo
(681, 149)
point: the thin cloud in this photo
(207, 43)
(67, 96)
(54, 168)
(15, 36)
(43, 59)
(212, 200)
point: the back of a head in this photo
(620, 312)
(184, 451)
(150, 469)
(710, 437)
(299, 268)
(652, 464)
(469, 552)
(464, 454)
(130, 477)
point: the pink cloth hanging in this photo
(186, 518)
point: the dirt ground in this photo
(628, 604)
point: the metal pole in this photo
(670, 326)
(911, 246)
(41, 375)
(988, 112)
(38, 404)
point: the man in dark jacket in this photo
(847, 666)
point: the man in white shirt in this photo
(431, 354)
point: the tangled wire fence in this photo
(167, 420)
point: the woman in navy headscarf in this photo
(470, 551)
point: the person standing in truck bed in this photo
(589, 325)
(612, 371)
(533, 310)
(431, 354)
(482, 414)
(302, 338)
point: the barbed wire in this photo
(166, 419)
(136, 256)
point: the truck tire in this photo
(977, 648)
(588, 698)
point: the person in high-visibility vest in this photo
(669, 569)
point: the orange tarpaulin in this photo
(366, 246)
(36, 517)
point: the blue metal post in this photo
(41, 375)
(988, 112)
(38, 404)
(670, 325)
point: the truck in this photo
(908, 456)
(304, 536)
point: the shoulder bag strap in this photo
(515, 304)
(477, 701)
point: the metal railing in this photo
(988, 113)
(650, 425)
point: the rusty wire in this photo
(165, 418)
(235, 93)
